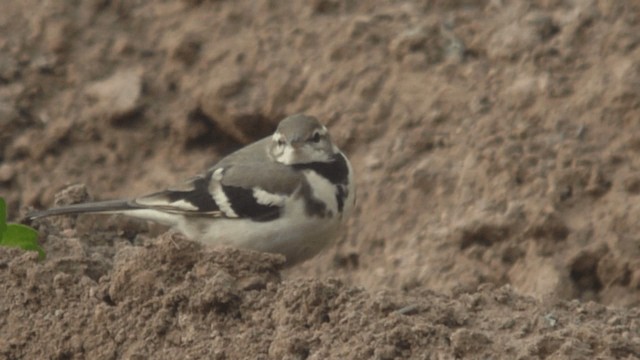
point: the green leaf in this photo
(24, 237)
(18, 235)
(3, 217)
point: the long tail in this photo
(92, 207)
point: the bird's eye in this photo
(316, 137)
(280, 142)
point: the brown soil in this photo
(496, 145)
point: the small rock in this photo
(118, 96)
(73, 194)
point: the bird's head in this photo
(301, 139)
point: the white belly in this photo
(294, 235)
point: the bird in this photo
(289, 193)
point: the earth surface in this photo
(496, 145)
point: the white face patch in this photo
(264, 197)
(313, 147)
(287, 156)
(221, 199)
(277, 137)
(304, 154)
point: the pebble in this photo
(118, 96)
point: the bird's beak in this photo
(296, 144)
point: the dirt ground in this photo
(496, 145)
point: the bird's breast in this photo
(320, 195)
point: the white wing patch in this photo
(184, 205)
(264, 197)
(221, 199)
(163, 203)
